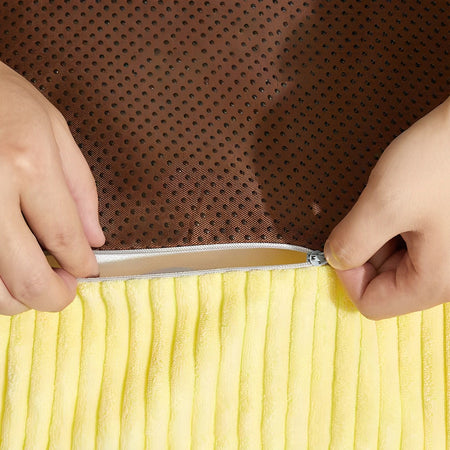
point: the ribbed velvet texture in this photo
(259, 359)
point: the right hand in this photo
(392, 250)
(48, 198)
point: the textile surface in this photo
(273, 359)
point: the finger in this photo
(9, 306)
(53, 217)
(392, 262)
(396, 289)
(25, 270)
(356, 280)
(80, 182)
(373, 221)
(385, 252)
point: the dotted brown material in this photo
(211, 122)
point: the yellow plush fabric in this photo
(258, 359)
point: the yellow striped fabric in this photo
(258, 359)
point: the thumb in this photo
(372, 222)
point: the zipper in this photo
(202, 259)
(316, 258)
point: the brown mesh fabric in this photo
(210, 122)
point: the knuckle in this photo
(370, 311)
(59, 303)
(33, 287)
(9, 306)
(61, 239)
(370, 314)
(38, 292)
(9, 311)
(74, 254)
(26, 160)
(87, 268)
(13, 309)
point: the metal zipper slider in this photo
(316, 258)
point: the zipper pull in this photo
(316, 258)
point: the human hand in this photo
(48, 197)
(392, 250)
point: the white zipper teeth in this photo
(201, 248)
(314, 258)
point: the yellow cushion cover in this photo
(249, 359)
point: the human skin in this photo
(392, 250)
(48, 199)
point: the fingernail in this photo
(101, 232)
(100, 228)
(330, 256)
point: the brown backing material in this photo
(216, 122)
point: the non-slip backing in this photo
(216, 122)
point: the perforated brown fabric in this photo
(211, 122)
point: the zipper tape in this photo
(201, 260)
